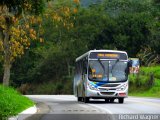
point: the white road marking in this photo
(101, 108)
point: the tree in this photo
(125, 25)
(130, 27)
(17, 30)
(21, 24)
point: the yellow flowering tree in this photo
(20, 24)
(62, 12)
(17, 21)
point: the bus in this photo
(101, 74)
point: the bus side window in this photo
(79, 68)
(76, 69)
(84, 66)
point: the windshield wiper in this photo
(117, 60)
(102, 66)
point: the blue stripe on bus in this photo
(96, 84)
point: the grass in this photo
(140, 85)
(153, 69)
(151, 92)
(12, 102)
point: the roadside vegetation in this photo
(47, 67)
(146, 83)
(12, 102)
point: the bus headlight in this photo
(123, 87)
(92, 87)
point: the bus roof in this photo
(87, 53)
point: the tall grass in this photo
(12, 102)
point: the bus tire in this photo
(121, 100)
(79, 99)
(106, 100)
(111, 100)
(86, 99)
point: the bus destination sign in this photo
(108, 55)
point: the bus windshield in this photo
(107, 70)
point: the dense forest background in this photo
(129, 25)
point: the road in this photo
(66, 107)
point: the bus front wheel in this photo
(106, 100)
(111, 100)
(79, 99)
(86, 99)
(121, 100)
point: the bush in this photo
(146, 83)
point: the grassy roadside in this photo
(12, 102)
(146, 83)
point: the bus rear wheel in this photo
(79, 99)
(86, 99)
(121, 100)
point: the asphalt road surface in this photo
(66, 107)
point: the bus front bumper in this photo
(106, 94)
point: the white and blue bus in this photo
(101, 74)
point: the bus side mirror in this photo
(129, 66)
(130, 63)
(133, 65)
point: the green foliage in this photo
(12, 102)
(154, 69)
(63, 86)
(128, 25)
(131, 26)
(18, 6)
(140, 84)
